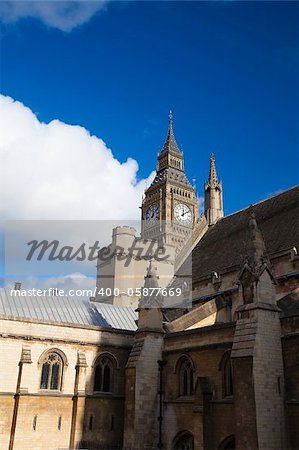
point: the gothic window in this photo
(185, 371)
(186, 379)
(227, 375)
(103, 375)
(112, 422)
(184, 441)
(52, 370)
(228, 378)
(228, 443)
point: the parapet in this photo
(124, 229)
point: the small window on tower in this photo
(90, 425)
(112, 422)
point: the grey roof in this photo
(223, 244)
(173, 176)
(67, 310)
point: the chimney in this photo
(17, 286)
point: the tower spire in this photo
(213, 195)
(213, 180)
(170, 117)
(170, 145)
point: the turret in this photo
(213, 195)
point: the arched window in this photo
(184, 441)
(52, 371)
(185, 369)
(228, 443)
(186, 379)
(227, 374)
(103, 375)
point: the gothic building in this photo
(127, 372)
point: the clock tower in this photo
(169, 210)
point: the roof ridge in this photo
(296, 186)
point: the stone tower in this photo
(170, 205)
(257, 352)
(142, 375)
(213, 195)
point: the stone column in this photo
(78, 401)
(22, 387)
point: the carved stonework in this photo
(26, 355)
(81, 360)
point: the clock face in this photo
(183, 214)
(152, 214)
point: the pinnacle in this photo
(255, 246)
(170, 145)
(151, 279)
(213, 180)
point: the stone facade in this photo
(36, 419)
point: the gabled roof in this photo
(220, 249)
(66, 310)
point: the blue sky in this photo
(228, 70)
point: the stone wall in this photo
(45, 420)
(205, 347)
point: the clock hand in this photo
(154, 212)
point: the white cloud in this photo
(59, 171)
(64, 15)
(78, 283)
